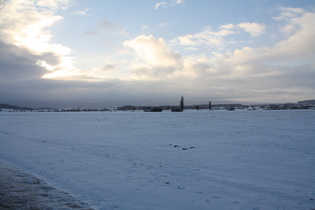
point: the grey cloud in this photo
(50, 58)
(155, 72)
(91, 33)
(17, 63)
(109, 67)
(21, 84)
(105, 24)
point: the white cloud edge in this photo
(166, 4)
(159, 4)
(215, 38)
(83, 12)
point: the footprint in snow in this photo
(184, 148)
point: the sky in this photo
(90, 53)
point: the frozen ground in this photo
(190, 160)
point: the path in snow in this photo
(19, 190)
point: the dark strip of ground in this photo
(19, 190)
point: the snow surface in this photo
(190, 160)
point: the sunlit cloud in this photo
(207, 37)
(217, 39)
(254, 29)
(228, 26)
(54, 4)
(289, 17)
(153, 56)
(28, 28)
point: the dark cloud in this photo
(50, 58)
(18, 64)
(21, 84)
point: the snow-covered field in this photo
(189, 160)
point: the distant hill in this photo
(306, 102)
(7, 106)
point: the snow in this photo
(191, 160)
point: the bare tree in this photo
(182, 104)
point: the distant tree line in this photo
(309, 104)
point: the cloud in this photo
(284, 70)
(166, 4)
(159, 4)
(287, 13)
(287, 67)
(145, 27)
(54, 4)
(163, 24)
(20, 80)
(21, 84)
(254, 29)
(153, 56)
(20, 64)
(106, 24)
(214, 72)
(28, 23)
(218, 39)
(109, 67)
(228, 26)
(91, 33)
(29, 30)
(207, 37)
(109, 26)
(289, 16)
(83, 12)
